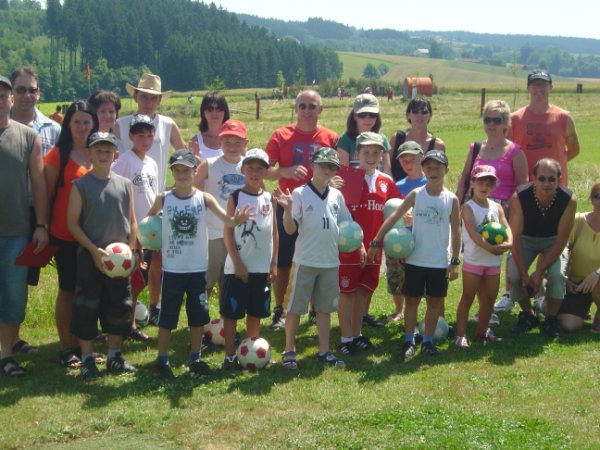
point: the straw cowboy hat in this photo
(150, 84)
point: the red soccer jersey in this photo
(289, 146)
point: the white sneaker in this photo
(505, 304)
(494, 319)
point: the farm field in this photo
(524, 392)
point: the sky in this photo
(547, 18)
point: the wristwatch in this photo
(42, 225)
(375, 244)
(455, 261)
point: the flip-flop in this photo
(22, 346)
(11, 368)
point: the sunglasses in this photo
(364, 115)
(421, 111)
(596, 196)
(311, 106)
(494, 120)
(214, 109)
(543, 179)
(22, 90)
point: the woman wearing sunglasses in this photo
(213, 112)
(497, 151)
(363, 117)
(418, 115)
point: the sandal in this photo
(11, 367)
(22, 346)
(69, 359)
(395, 317)
(288, 360)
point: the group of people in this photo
(90, 181)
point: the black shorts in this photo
(173, 288)
(99, 297)
(287, 242)
(424, 281)
(576, 304)
(239, 298)
(66, 263)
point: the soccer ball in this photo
(350, 237)
(216, 332)
(142, 316)
(120, 262)
(389, 207)
(254, 353)
(398, 242)
(150, 232)
(441, 329)
(494, 233)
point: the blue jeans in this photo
(13, 280)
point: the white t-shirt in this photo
(160, 148)
(254, 238)
(184, 235)
(144, 177)
(318, 217)
(207, 152)
(431, 229)
(473, 253)
(223, 179)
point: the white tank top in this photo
(473, 253)
(431, 229)
(254, 238)
(223, 178)
(185, 239)
(160, 147)
(207, 152)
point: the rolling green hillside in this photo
(449, 74)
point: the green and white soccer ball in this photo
(494, 233)
(398, 242)
(350, 236)
(441, 329)
(389, 207)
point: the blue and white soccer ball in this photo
(398, 242)
(142, 315)
(389, 207)
(350, 237)
(441, 329)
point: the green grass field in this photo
(525, 392)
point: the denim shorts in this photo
(13, 280)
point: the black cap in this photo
(538, 75)
(6, 82)
(183, 157)
(99, 136)
(436, 155)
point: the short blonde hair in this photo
(499, 107)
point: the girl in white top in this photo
(214, 111)
(482, 260)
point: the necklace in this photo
(543, 209)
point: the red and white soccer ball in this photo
(216, 332)
(120, 261)
(254, 353)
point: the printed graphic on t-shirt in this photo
(247, 235)
(542, 137)
(229, 183)
(430, 215)
(144, 182)
(303, 152)
(184, 222)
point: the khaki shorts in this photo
(395, 275)
(217, 253)
(312, 282)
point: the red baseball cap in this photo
(233, 127)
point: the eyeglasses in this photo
(596, 196)
(367, 114)
(543, 179)
(311, 106)
(494, 120)
(22, 90)
(214, 109)
(424, 112)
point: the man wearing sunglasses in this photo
(544, 130)
(290, 149)
(541, 218)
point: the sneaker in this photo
(537, 304)
(372, 321)
(504, 304)
(347, 348)
(88, 370)
(208, 345)
(551, 327)
(494, 319)
(199, 367)
(429, 349)
(288, 360)
(408, 350)
(363, 343)
(330, 359)
(461, 342)
(119, 365)
(525, 322)
(596, 325)
(163, 372)
(312, 316)
(138, 335)
(154, 313)
(231, 364)
(489, 337)
(278, 321)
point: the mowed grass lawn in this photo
(525, 392)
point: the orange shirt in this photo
(58, 222)
(57, 117)
(542, 136)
